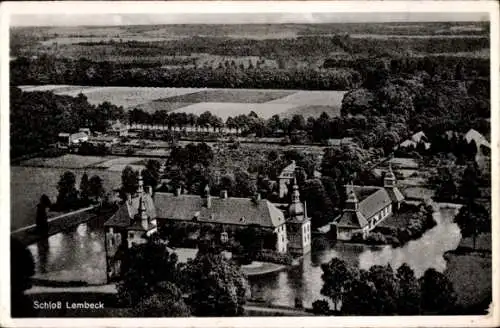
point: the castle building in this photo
(140, 216)
(134, 221)
(367, 206)
(286, 178)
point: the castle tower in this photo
(352, 202)
(140, 185)
(389, 178)
(298, 225)
(142, 215)
(392, 189)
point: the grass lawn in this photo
(69, 161)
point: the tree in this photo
(469, 186)
(244, 186)
(362, 297)
(216, 287)
(165, 301)
(297, 123)
(130, 180)
(151, 175)
(68, 195)
(143, 267)
(96, 190)
(473, 219)
(437, 293)
(409, 291)
(321, 307)
(41, 214)
(22, 268)
(84, 188)
(319, 205)
(386, 289)
(338, 278)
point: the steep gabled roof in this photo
(395, 194)
(240, 211)
(289, 171)
(371, 201)
(477, 137)
(417, 137)
(375, 202)
(125, 214)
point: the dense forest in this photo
(37, 118)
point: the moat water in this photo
(79, 255)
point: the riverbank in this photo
(29, 235)
(260, 268)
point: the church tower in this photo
(298, 225)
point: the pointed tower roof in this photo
(296, 209)
(140, 184)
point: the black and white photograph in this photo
(250, 164)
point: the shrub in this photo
(321, 307)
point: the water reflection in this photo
(305, 281)
(80, 255)
(75, 255)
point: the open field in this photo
(312, 98)
(161, 104)
(69, 161)
(231, 96)
(220, 102)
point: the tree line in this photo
(381, 290)
(36, 118)
(50, 70)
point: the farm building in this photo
(66, 140)
(106, 141)
(118, 129)
(415, 140)
(367, 206)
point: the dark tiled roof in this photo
(352, 219)
(136, 225)
(374, 202)
(242, 211)
(125, 214)
(395, 194)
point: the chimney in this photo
(178, 191)
(223, 194)
(256, 198)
